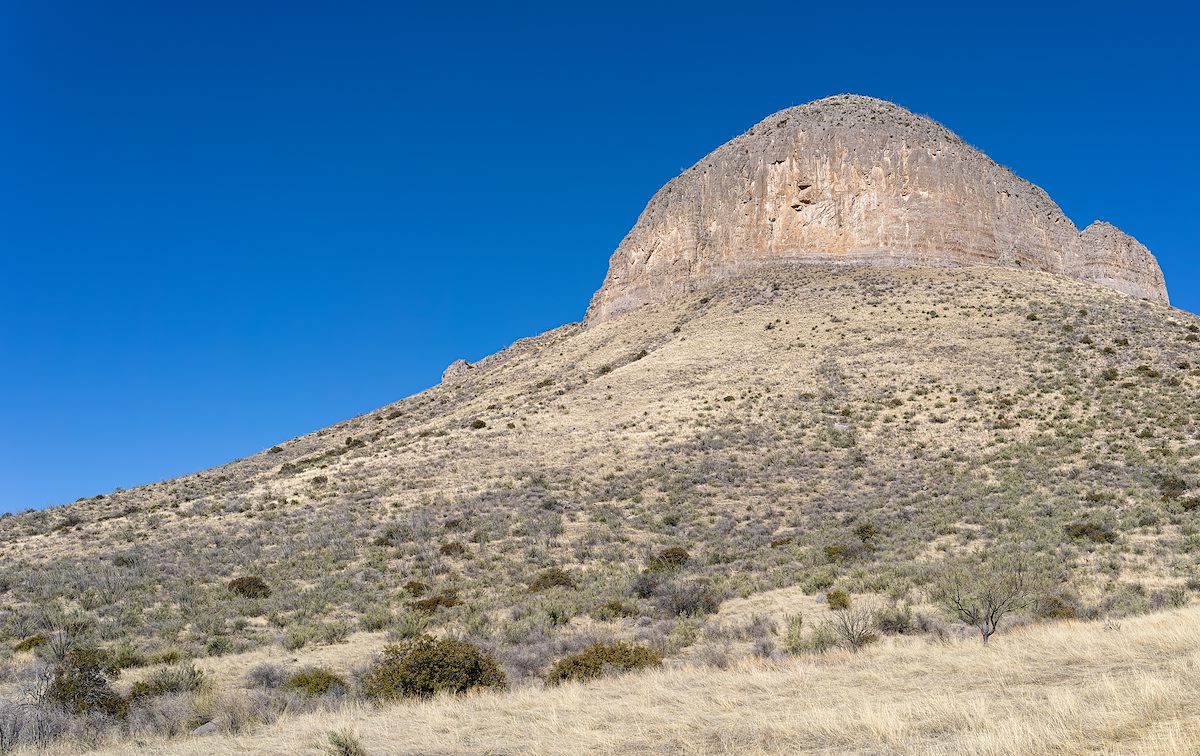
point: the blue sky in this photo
(223, 225)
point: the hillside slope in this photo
(756, 424)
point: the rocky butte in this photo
(856, 180)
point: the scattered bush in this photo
(250, 586)
(551, 578)
(669, 560)
(689, 599)
(168, 681)
(266, 675)
(375, 619)
(793, 634)
(344, 743)
(611, 610)
(600, 659)
(1092, 530)
(423, 666)
(415, 588)
(453, 549)
(855, 627)
(316, 681)
(430, 605)
(30, 643)
(895, 620)
(838, 600)
(81, 683)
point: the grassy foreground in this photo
(1072, 687)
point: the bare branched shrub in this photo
(856, 625)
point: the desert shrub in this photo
(168, 681)
(297, 637)
(266, 675)
(784, 541)
(793, 633)
(611, 610)
(644, 585)
(838, 600)
(81, 683)
(1056, 606)
(820, 640)
(478, 424)
(430, 605)
(316, 681)
(669, 560)
(600, 659)
(453, 549)
(30, 643)
(375, 619)
(218, 646)
(551, 578)
(1172, 487)
(344, 743)
(332, 632)
(855, 627)
(1091, 530)
(250, 586)
(895, 620)
(423, 666)
(1174, 597)
(689, 599)
(416, 588)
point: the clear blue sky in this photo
(225, 224)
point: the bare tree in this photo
(982, 592)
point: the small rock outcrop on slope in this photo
(851, 179)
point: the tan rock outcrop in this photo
(855, 180)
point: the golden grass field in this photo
(1066, 688)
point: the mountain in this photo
(852, 179)
(741, 426)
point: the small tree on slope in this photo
(982, 592)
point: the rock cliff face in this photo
(855, 180)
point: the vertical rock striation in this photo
(855, 180)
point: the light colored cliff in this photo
(855, 180)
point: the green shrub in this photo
(218, 646)
(81, 683)
(430, 605)
(895, 620)
(669, 560)
(297, 637)
(602, 658)
(611, 610)
(30, 643)
(376, 618)
(316, 681)
(551, 578)
(415, 588)
(838, 600)
(423, 666)
(168, 681)
(1091, 530)
(250, 586)
(478, 424)
(344, 743)
(793, 634)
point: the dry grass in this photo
(1066, 688)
